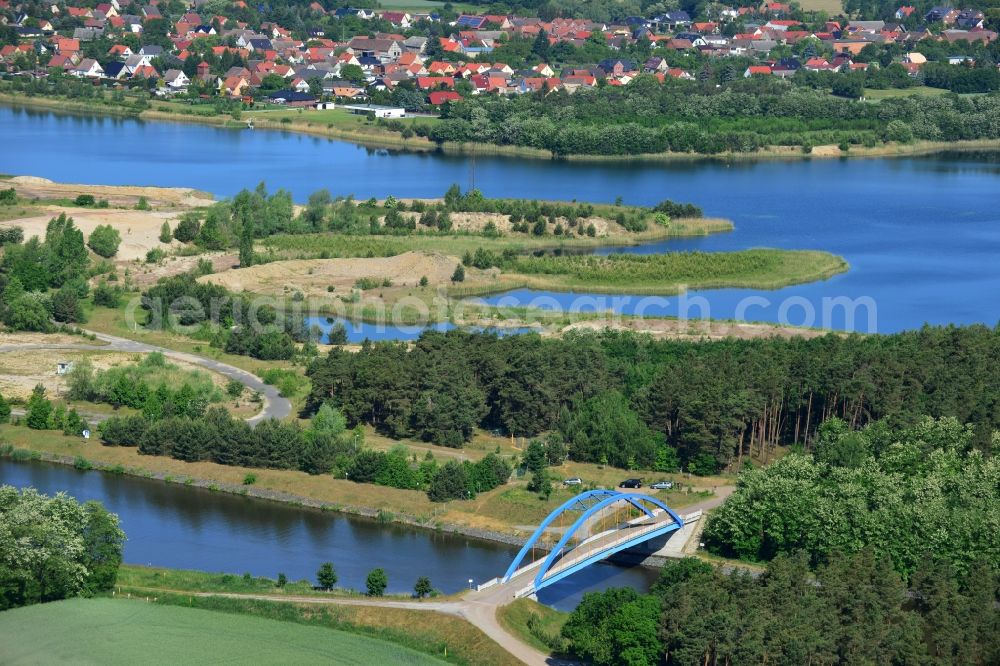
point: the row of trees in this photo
(375, 583)
(55, 547)
(646, 117)
(453, 480)
(625, 399)
(325, 447)
(854, 609)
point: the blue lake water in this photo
(359, 331)
(922, 235)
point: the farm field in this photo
(874, 95)
(109, 631)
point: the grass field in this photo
(672, 273)
(831, 7)
(874, 95)
(533, 623)
(109, 631)
(339, 118)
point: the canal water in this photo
(194, 528)
(922, 235)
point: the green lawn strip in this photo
(117, 631)
(135, 577)
(673, 272)
(533, 623)
(443, 636)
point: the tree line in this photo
(647, 117)
(854, 609)
(899, 491)
(324, 447)
(710, 404)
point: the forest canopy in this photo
(714, 403)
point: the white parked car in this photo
(574, 481)
(662, 485)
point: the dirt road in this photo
(275, 406)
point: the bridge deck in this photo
(595, 547)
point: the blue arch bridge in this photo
(591, 527)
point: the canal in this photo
(185, 527)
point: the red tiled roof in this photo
(441, 96)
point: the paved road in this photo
(274, 407)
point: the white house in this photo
(88, 68)
(176, 79)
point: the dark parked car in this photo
(631, 483)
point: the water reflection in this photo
(194, 528)
(921, 234)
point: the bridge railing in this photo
(488, 584)
(575, 557)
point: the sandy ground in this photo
(140, 230)
(312, 277)
(23, 338)
(476, 222)
(694, 329)
(21, 371)
(146, 275)
(31, 187)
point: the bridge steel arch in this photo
(607, 498)
(580, 500)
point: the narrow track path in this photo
(274, 405)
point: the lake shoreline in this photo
(385, 139)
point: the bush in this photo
(376, 582)
(187, 229)
(66, 306)
(326, 576)
(422, 588)
(451, 482)
(165, 234)
(142, 204)
(899, 131)
(107, 295)
(11, 236)
(155, 256)
(104, 241)
(84, 200)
